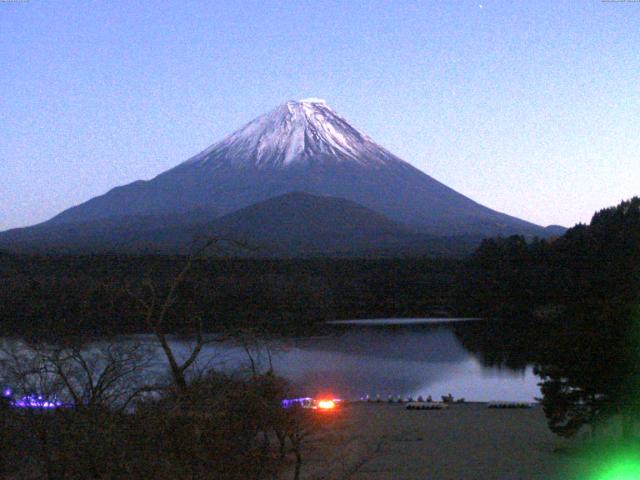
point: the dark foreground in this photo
(470, 441)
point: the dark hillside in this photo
(88, 293)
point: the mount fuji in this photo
(300, 146)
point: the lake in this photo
(406, 357)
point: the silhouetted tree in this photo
(591, 370)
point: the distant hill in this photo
(132, 233)
(298, 147)
(302, 224)
(293, 224)
(554, 231)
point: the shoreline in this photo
(382, 441)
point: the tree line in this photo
(77, 407)
(581, 295)
(578, 295)
(91, 294)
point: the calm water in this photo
(407, 358)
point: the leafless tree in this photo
(79, 372)
(104, 374)
(155, 309)
(72, 392)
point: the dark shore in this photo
(369, 441)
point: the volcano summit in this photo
(300, 146)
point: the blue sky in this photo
(531, 108)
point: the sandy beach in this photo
(380, 441)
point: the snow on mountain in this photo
(295, 132)
(300, 146)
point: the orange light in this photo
(326, 404)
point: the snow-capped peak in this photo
(313, 100)
(306, 131)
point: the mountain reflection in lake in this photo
(407, 359)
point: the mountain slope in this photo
(293, 224)
(306, 147)
(303, 224)
(131, 233)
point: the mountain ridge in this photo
(295, 224)
(300, 147)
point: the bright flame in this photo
(326, 404)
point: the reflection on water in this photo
(385, 322)
(479, 360)
(412, 360)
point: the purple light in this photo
(33, 401)
(300, 402)
(7, 392)
(308, 402)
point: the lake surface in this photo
(415, 357)
(386, 322)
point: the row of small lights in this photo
(38, 401)
(31, 401)
(392, 399)
(308, 402)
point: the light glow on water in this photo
(394, 361)
(399, 361)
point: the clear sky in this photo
(529, 107)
